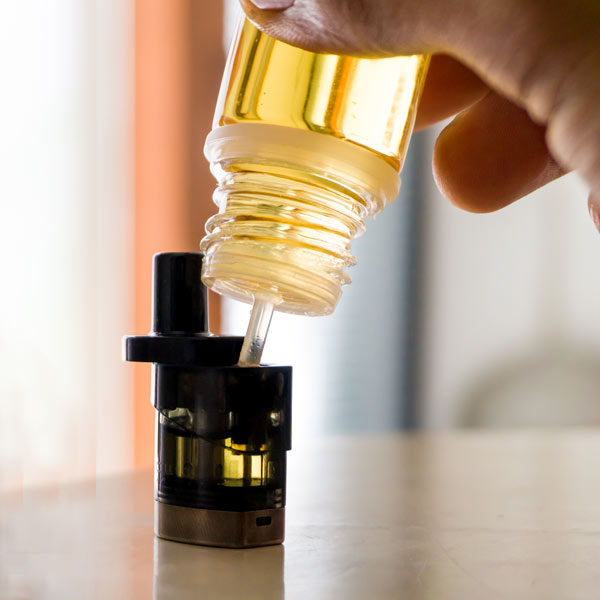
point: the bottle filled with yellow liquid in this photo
(304, 147)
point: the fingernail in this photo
(594, 212)
(272, 4)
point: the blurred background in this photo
(453, 320)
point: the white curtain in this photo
(65, 239)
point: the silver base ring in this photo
(223, 528)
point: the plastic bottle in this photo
(304, 146)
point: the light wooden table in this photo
(467, 515)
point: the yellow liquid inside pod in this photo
(304, 147)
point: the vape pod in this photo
(222, 431)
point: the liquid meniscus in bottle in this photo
(304, 147)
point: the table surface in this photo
(466, 515)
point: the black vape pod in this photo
(222, 431)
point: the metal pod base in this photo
(227, 529)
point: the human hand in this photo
(523, 74)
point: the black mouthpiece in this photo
(180, 299)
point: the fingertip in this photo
(490, 156)
(288, 23)
(594, 208)
(272, 4)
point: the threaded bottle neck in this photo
(290, 204)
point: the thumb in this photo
(351, 27)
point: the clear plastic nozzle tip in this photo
(254, 342)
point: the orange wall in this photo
(178, 65)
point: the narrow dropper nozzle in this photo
(254, 342)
